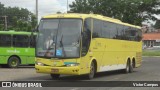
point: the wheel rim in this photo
(14, 62)
(92, 70)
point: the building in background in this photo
(151, 40)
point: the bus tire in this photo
(131, 67)
(55, 76)
(92, 71)
(13, 62)
(126, 70)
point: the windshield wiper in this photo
(61, 45)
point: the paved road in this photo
(149, 71)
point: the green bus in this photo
(17, 48)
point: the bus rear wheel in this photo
(13, 62)
(55, 76)
(92, 71)
(129, 67)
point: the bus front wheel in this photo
(92, 71)
(13, 62)
(55, 76)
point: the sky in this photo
(45, 7)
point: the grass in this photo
(151, 53)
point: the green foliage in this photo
(151, 53)
(19, 19)
(1, 27)
(130, 11)
(157, 25)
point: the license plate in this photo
(54, 70)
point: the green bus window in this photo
(5, 40)
(20, 41)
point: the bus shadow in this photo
(26, 66)
(97, 76)
(19, 67)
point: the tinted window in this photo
(105, 30)
(139, 35)
(113, 30)
(20, 41)
(120, 32)
(5, 40)
(127, 33)
(86, 36)
(97, 28)
(130, 33)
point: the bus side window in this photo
(97, 28)
(5, 40)
(86, 36)
(20, 41)
(139, 35)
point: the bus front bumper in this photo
(74, 70)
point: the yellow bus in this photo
(77, 44)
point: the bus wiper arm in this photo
(61, 45)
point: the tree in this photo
(19, 19)
(1, 27)
(157, 25)
(130, 11)
(33, 21)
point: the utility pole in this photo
(67, 6)
(5, 22)
(5, 17)
(37, 11)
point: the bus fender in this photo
(91, 60)
(14, 56)
(128, 58)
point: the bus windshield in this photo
(59, 38)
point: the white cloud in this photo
(157, 16)
(45, 6)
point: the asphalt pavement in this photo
(149, 71)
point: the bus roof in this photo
(15, 32)
(78, 15)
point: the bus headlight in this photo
(72, 64)
(39, 63)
